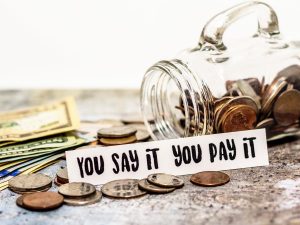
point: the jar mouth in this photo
(175, 102)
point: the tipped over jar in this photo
(214, 88)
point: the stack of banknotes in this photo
(34, 138)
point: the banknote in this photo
(39, 121)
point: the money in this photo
(88, 200)
(76, 189)
(165, 180)
(116, 132)
(41, 201)
(142, 135)
(30, 183)
(210, 178)
(118, 141)
(123, 189)
(62, 176)
(148, 187)
(39, 121)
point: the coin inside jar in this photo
(91, 199)
(126, 188)
(165, 180)
(30, 182)
(118, 141)
(210, 178)
(42, 201)
(76, 189)
(145, 185)
(287, 108)
(116, 132)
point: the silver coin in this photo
(30, 182)
(142, 135)
(165, 180)
(146, 186)
(91, 199)
(127, 188)
(77, 189)
(116, 132)
(62, 175)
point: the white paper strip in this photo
(176, 156)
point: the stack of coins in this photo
(250, 103)
(119, 135)
(30, 183)
(79, 193)
(61, 177)
(160, 183)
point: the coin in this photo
(91, 199)
(292, 75)
(287, 108)
(165, 180)
(29, 182)
(76, 189)
(146, 186)
(142, 135)
(30, 192)
(130, 119)
(19, 200)
(116, 132)
(62, 175)
(126, 188)
(57, 183)
(118, 141)
(42, 201)
(210, 178)
(239, 118)
(266, 123)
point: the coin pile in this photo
(250, 103)
(61, 177)
(125, 134)
(30, 183)
(79, 193)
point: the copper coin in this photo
(19, 201)
(76, 189)
(62, 175)
(146, 186)
(210, 178)
(91, 199)
(126, 188)
(118, 141)
(116, 132)
(165, 180)
(287, 108)
(240, 118)
(43, 201)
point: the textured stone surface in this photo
(261, 195)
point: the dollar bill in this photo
(39, 121)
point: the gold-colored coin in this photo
(165, 180)
(76, 189)
(151, 188)
(118, 141)
(91, 199)
(42, 201)
(30, 182)
(210, 178)
(286, 109)
(126, 188)
(116, 132)
(240, 118)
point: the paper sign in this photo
(175, 156)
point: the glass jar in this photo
(192, 94)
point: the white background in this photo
(107, 44)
